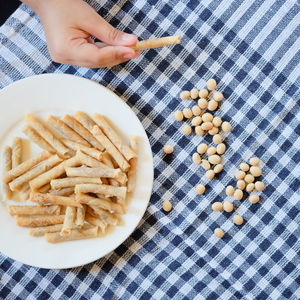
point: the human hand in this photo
(69, 25)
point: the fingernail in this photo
(129, 55)
(128, 38)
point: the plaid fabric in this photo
(252, 49)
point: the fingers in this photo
(89, 55)
(98, 27)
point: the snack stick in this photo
(53, 173)
(45, 133)
(93, 172)
(54, 199)
(57, 184)
(76, 234)
(107, 190)
(93, 152)
(66, 131)
(86, 121)
(24, 193)
(25, 166)
(110, 148)
(93, 163)
(125, 150)
(80, 215)
(63, 192)
(44, 166)
(37, 139)
(122, 178)
(133, 163)
(96, 222)
(37, 221)
(68, 221)
(40, 231)
(33, 210)
(89, 161)
(155, 43)
(16, 152)
(104, 215)
(44, 189)
(81, 130)
(100, 202)
(7, 165)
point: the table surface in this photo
(252, 49)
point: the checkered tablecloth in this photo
(252, 49)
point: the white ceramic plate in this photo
(60, 94)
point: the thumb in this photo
(106, 33)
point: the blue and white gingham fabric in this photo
(252, 49)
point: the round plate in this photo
(60, 94)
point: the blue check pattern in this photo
(252, 49)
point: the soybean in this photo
(210, 174)
(211, 84)
(217, 139)
(211, 150)
(212, 105)
(200, 189)
(203, 93)
(217, 206)
(240, 175)
(254, 161)
(218, 168)
(187, 113)
(196, 121)
(255, 171)
(194, 93)
(241, 184)
(196, 110)
(185, 95)
(178, 115)
(250, 187)
(207, 117)
(167, 205)
(229, 190)
(217, 121)
(199, 131)
(238, 194)
(202, 103)
(259, 186)
(219, 233)
(221, 148)
(249, 178)
(228, 206)
(218, 96)
(226, 127)
(253, 198)
(214, 159)
(187, 129)
(196, 158)
(168, 149)
(213, 131)
(205, 164)
(238, 220)
(244, 167)
(201, 149)
(206, 125)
